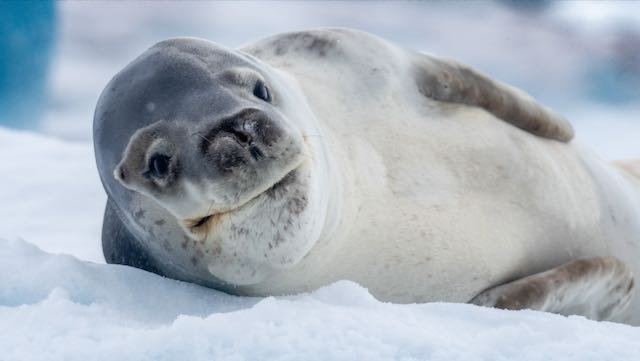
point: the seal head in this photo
(205, 132)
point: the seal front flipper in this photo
(598, 288)
(449, 81)
(119, 246)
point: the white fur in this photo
(438, 201)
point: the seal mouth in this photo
(201, 227)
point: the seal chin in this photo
(200, 227)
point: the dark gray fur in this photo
(120, 246)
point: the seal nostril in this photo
(242, 136)
(120, 174)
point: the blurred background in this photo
(580, 58)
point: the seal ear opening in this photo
(448, 81)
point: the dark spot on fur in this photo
(159, 222)
(612, 215)
(297, 205)
(184, 244)
(194, 261)
(278, 239)
(216, 250)
(309, 42)
(166, 245)
(139, 214)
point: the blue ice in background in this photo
(27, 34)
(615, 78)
(581, 58)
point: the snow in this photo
(51, 194)
(57, 306)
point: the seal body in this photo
(416, 177)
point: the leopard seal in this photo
(313, 156)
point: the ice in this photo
(56, 307)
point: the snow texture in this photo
(63, 307)
(50, 194)
(56, 307)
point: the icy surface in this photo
(50, 194)
(55, 307)
(63, 307)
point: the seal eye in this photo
(159, 165)
(261, 91)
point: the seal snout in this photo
(119, 174)
(240, 139)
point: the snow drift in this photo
(55, 307)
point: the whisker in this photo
(202, 136)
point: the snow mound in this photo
(50, 194)
(56, 307)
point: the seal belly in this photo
(435, 221)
